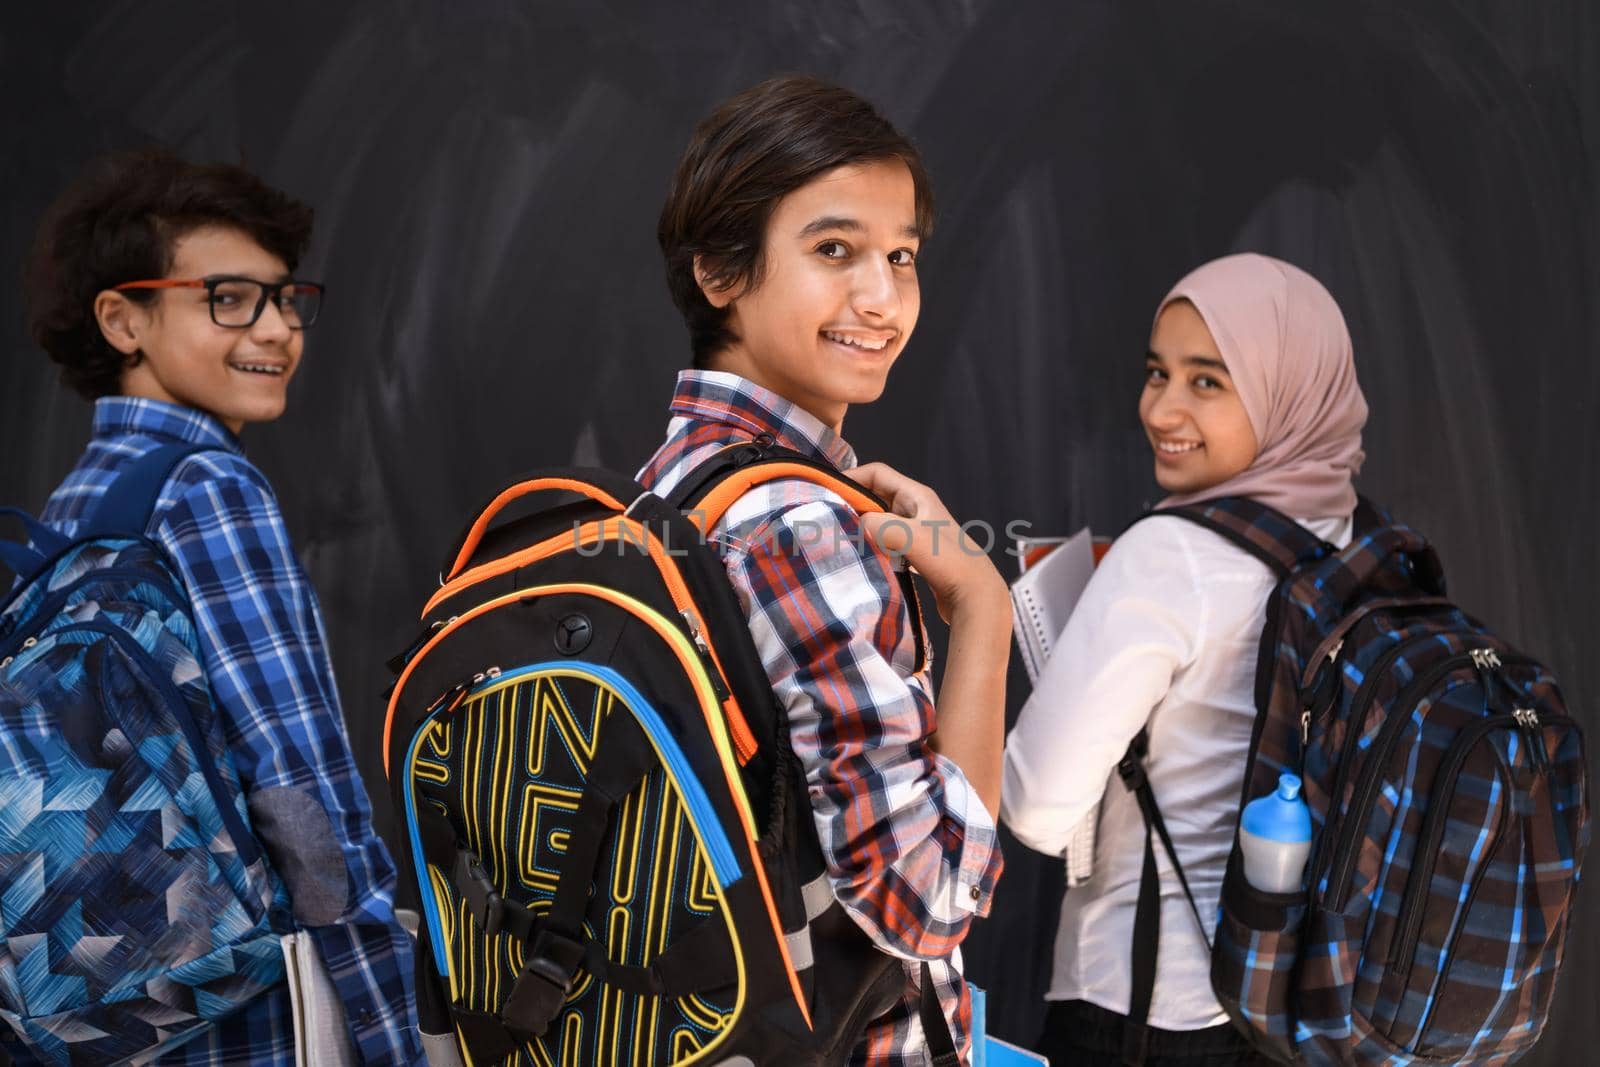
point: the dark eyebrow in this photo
(224, 276)
(849, 225)
(1192, 361)
(831, 222)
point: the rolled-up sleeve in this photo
(911, 849)
(267, 662)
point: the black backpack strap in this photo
(1369, 515)
(700, 957)
(694, 485)
(1147, 912)
(935, 1027)
(623, 758)
(1264, 532)
(127, 506)
(759, 461)
(765, 462)
(434, 1024)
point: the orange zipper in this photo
(744, 741)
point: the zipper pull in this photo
(717, 684)
(397, 663)
(1528, 719)
(451, 698)
(1305, 734)
(1490, 676)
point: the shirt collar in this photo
(119, 416)
(727, 398)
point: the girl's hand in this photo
(919, 527)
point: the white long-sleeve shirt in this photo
(1165, 635)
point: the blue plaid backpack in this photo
(136, 906)
(1449, 806)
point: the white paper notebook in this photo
(1042, 599)
(321, 1033)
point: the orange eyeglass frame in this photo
(269, 292)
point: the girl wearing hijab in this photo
(1250, 390)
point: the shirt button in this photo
(975, 893)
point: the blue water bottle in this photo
(1275, 837)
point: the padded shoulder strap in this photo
(128, 504)
(1264, 532)
(708, 491)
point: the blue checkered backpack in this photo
(1449, 806)
(136, 906)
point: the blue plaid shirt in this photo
(266, 657)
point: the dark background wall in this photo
(486, 179)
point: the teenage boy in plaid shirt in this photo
(791, 234)
(164, 289)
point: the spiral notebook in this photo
(1055, 571)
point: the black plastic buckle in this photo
(754, 449)
(484, 902)
(544, 984)
(1131, 772)
(1130, 768)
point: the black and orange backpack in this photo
(612, 840)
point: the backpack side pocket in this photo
(1254, 958)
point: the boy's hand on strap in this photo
(974, 600)
(919, 528)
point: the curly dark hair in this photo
(742, 159)
(120, 221)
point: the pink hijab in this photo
(1288, 352)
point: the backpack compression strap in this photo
(700, 957)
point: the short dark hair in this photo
(742, 159)
(120, 222)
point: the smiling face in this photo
(238, 375)
(838, 297)
(1191, 412)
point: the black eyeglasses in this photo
(238, 302)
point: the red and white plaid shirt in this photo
(911, 850)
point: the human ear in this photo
(718, 294)
(120, 321)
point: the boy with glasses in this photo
(166, 292)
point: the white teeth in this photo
(1175, 449)
(259, 368)
(858, 342)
